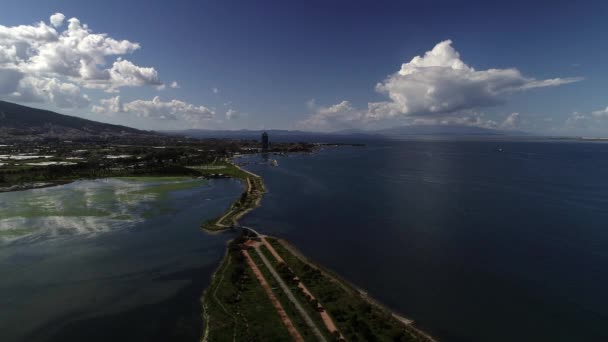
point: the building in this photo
(265, 143)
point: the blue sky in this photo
(314, 65)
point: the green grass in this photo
(222, 167)
(155, 178)
(237, 306)
(247, 201)
(356, 318)
(289, 307)
(314, 314)
(163, 189)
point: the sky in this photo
(535, 66)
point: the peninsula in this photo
(264, 290)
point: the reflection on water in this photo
(85, 207)
(123, 257)
(474, 244)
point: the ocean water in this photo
(110, 259)
(484, 240)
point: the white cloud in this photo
(157, 109)
(174, 85)
(602, 113)
(126, 74)
(341, 115)
(438, 84)
(511, 122)
(577, 121)
(232, 114)
(584, 122)
(215, 90)
(75, 56)
(57, 19)
(52, 90)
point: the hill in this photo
(445, 130)
(350, 135)
(19, 122)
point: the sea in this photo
(475, 239)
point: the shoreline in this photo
(250, 199)
(406, 323)
(352, 287)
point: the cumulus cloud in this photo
(174, 85)
(43, 55)
(215, 90)
(63, 95)
(57, 19)
(232, 114)
(437, 84)
(342, 115)
(602, 113)
(594, 120)
(440, 82)
(511, 122)
(157, 109)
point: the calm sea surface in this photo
(473, 243)
(108, 260)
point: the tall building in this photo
(265, 143)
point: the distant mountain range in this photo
(19, 122)
(357, 134)
(277, 135)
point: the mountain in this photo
(19, 122)
(277, 135)
(348, 135)
(444, 130)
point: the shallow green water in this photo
(86, 207)
(110, 259)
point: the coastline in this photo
(410, 323)
(355, 292)
(250, 199)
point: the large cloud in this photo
(158, 109)
(41, 55)
(63, 95)
(438, 84)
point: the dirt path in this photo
(311, 324)
(275, 302)
(327, 320)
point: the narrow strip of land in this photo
(275, 302)
(249, 199)
(327, 320)
(311, 324)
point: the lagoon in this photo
(120, 257)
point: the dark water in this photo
(472, 243)
(141, 282)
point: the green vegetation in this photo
(356, 317)
(289, 307)
(88, 206)
(236, 307)
(248, 200)
(290, 279)
(234, 287)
